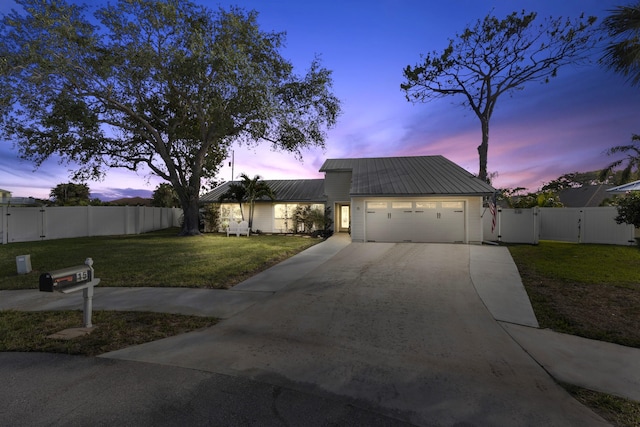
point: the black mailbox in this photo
(66, 279)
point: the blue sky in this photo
(536, 135)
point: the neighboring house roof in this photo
(631, 186)
(402, 176)
(287, 190)
(587, 196)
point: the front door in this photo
(344, 218)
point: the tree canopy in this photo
(497, 56)
(70, 194)
(629, 210)
(164, 196)
(632, 159)
(622, 54)
(168, 84)
(248, 190)
(572, 180)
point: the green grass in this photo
(160, 259)
(28, 331)
(591, 291)
(616, 410)
(591, 264)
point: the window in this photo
(426, 205)
(229, 212)
(285, 219)
(453, 205)
(376, 205)
(401, 205)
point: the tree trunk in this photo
(483, 150)
(190, 202)
(191, 218)
(251, 207)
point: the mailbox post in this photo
(73, 279)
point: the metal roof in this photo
(631, 186)
(401, 176)
(287, 190)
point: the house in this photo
(272, 216)
(386, 199)
(5, 196)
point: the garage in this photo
(407, 199)
(415, 221)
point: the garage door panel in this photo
(377, 226)
(401, 225)
(416, 221)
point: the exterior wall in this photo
(5, 196)
(263, 217)
(472, 220)
(358, 214)
(337, 188)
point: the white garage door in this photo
(415, 221)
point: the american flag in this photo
(493, 209)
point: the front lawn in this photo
(114, 330)
(160, 259)
(582, 289)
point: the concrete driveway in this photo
(395, 328)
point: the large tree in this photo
(495, 57)
(164, 84)
(70, 194)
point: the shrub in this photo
(629, 210)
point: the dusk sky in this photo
(536, 135)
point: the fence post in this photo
(580, 225)
(535, 216)
(4, 221)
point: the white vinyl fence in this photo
(579, 225)
(27, 224)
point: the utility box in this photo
(23, 262)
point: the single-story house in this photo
(5, 196)
(388, 199)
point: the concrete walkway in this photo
(590, 364)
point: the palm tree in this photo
(623, 56)
(235, 193)
(623, 53)
(632, 159)
(255, 190)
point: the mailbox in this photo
(73, 279)
(67, 279)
